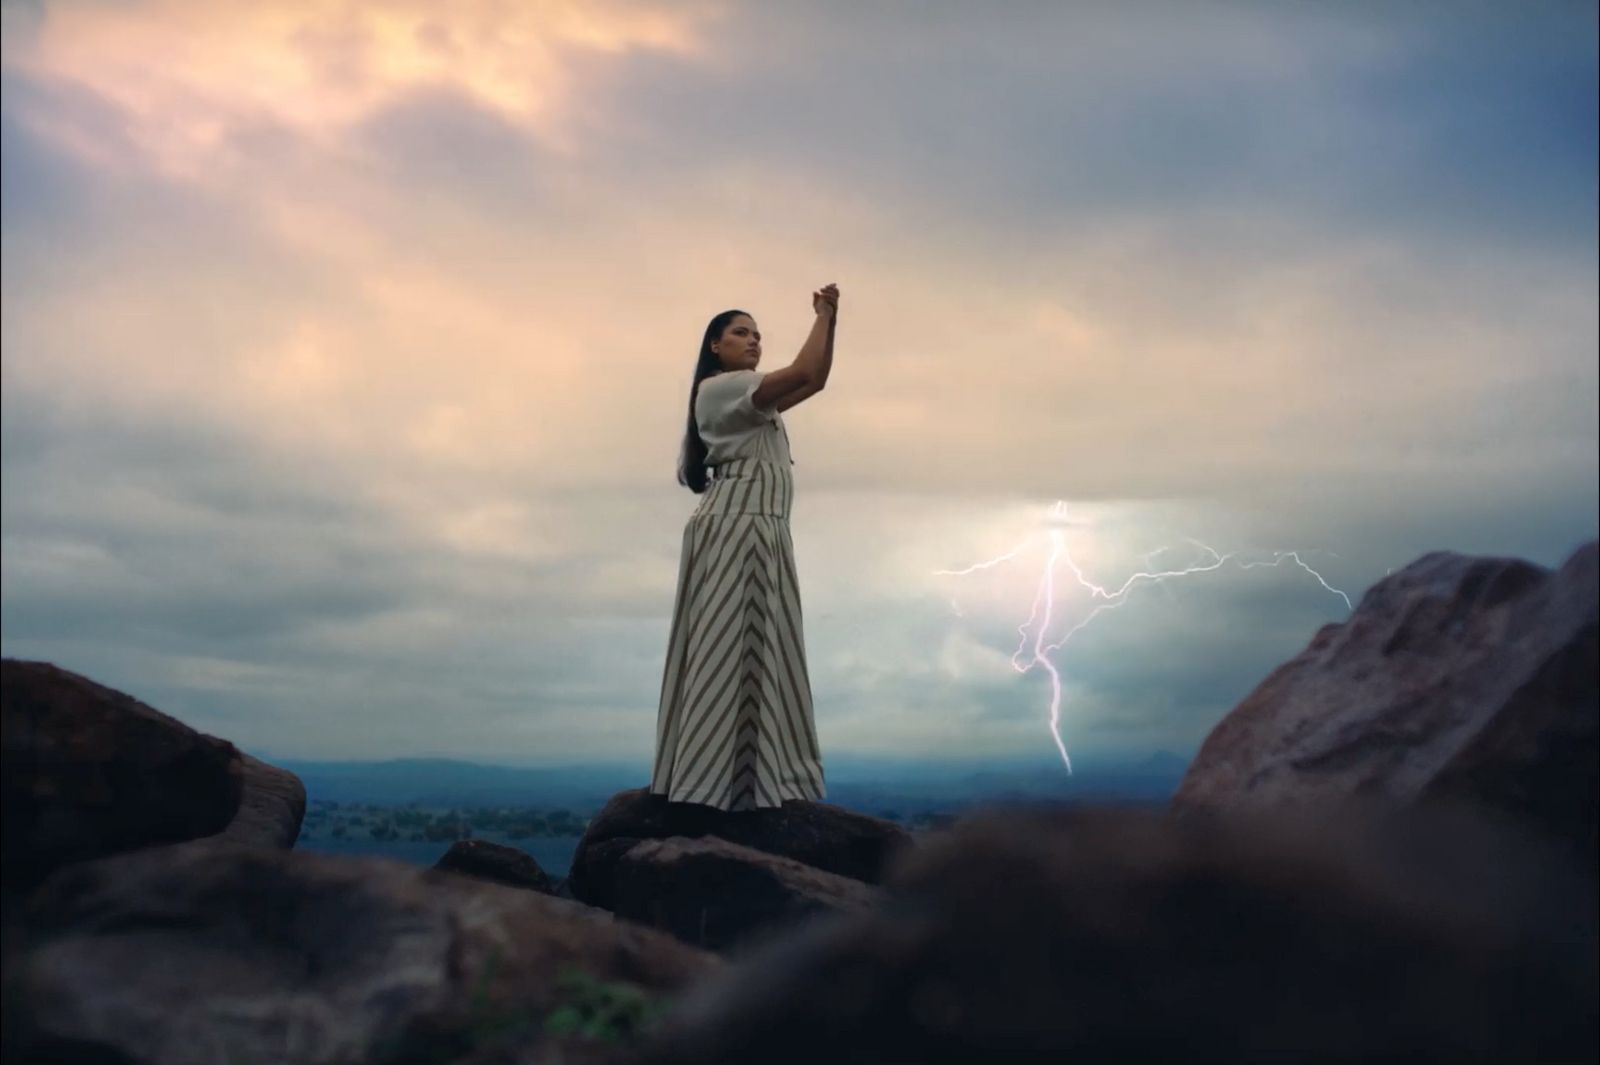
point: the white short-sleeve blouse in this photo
(732, 426)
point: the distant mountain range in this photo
(871, 785)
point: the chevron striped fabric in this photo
(735, 727)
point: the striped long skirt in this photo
(735, 727)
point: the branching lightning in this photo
(1044, 599)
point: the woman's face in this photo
(740, 346)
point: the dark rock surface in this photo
(1456, 677)
(90, 771)
(720, 895)
(820, 835)
(496, 862)
(197, 953)
(1118, 935)
(272, 806)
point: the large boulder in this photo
(1456, 677)
(90, 771)
(498, 862)
(1049, 935)
(196, 953)
(719, 895)
(817, 834)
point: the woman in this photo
(735, 728)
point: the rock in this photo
(1050, 935)
(196, 953)
(272, 806)
(715, 894)
(820, 835)
(90, 771)
(497, 862)
(1458, 677)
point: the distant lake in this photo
(553, 853)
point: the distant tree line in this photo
(418, 824)
(422, 824)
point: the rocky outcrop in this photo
(1123, 935)
(90, 771)
(272, 806)
(817, 834)
(495, 862)
(720, 895)
(1456, 677)
(201, 954)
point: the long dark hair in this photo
(692, 456)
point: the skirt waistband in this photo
(749, 486)
(747, 462)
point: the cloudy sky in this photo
(347, 348)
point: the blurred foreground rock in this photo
(199, 954)
(1044, 935)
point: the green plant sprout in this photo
(600, 1009)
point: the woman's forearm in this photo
(817, 353)
(827, 351)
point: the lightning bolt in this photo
(1043, 610)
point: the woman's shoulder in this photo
(726, 382)
(713, 391)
